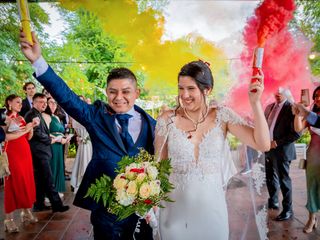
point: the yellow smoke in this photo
(142, 34)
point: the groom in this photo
(116, 129)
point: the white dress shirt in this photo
(134, 125)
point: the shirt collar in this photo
(132, 112)
(282, 103)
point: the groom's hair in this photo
(121, 73)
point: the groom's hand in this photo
(31, 51)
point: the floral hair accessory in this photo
(206, 63)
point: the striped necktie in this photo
(272, 114)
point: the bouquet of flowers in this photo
(140, 184)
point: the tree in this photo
(14, 73)
(91, 52)
(309, 22)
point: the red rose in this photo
(148, 201)
(137, 170)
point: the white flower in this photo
(146, 164)
(155, 187)
(145, 191)
(124, 199)
(132, 188)
(152, 172)
(141, 177)
(120, 182)
(131, 175)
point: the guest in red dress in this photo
(19, 187)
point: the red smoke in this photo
(273, 16)
(285, 62)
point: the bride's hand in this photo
(256, 88)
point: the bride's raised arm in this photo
(257, 137)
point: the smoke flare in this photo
(285, 61)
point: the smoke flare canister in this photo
(257, 64)
(25, 19)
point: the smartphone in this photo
(305, 97)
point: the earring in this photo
(207, 100)
(10, 108)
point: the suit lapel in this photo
(146, 118)
(44, 123)
(147, 126)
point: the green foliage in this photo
(83, 60)
(72, 151)
(309, 22)
(233, 142)
(88, 43)
(103, 190)
(305, 138)
(164, 171)
(14, 73)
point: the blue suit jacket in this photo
(99, 121)
(317, 123)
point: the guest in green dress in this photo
(56, 129)
(313, 164)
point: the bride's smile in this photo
(191, 97)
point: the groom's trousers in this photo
(106, 227)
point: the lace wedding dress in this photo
(200, 209)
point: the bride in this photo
(193, 136)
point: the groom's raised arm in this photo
(67, 99)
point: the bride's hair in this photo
(200, 72)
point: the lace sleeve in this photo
(228, 116)
(161, 135)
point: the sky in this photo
(215, 20)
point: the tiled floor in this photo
(75, 223)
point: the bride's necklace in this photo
(195, 123)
